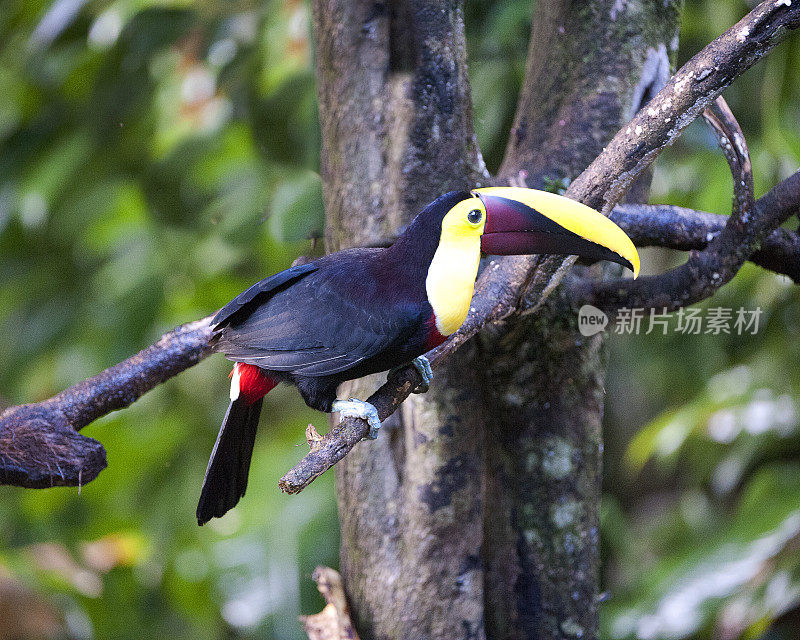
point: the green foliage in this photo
(701, 509)
(156, 157)
(143, 150)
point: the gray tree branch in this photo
(707, 270)
(39, 445)
(502, 286)
(716, 264)
(672, 227)
(693, 88)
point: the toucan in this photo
(363, 311)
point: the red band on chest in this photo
(434, 338)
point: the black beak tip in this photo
(601, 253)
(625, 263)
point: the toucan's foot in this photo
(354, 408)
(423, 365)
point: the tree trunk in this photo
(475, 513)
(590, 67)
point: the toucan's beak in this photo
(526, 221)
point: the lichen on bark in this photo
(590, 66)
(475, 513)
(545, 385)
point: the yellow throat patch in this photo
(452, 272)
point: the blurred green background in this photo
(156, 157)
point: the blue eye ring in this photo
(474, 216)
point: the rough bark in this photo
(545, 381)
(409, 503)
(508, 520)
(395, 113)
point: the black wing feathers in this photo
(323, 322)
(269, 285)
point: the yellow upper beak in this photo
(520, 221)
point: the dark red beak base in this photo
(514, 228)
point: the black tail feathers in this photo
(226, 476)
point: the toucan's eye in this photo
(475, 216)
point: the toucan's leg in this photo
(423, 365)
(354, 408)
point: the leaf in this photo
(296, 211)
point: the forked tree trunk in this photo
(474, 514)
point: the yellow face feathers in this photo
(451, 275)
(465, 220)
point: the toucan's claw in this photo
(354, 408)
(423, 365)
